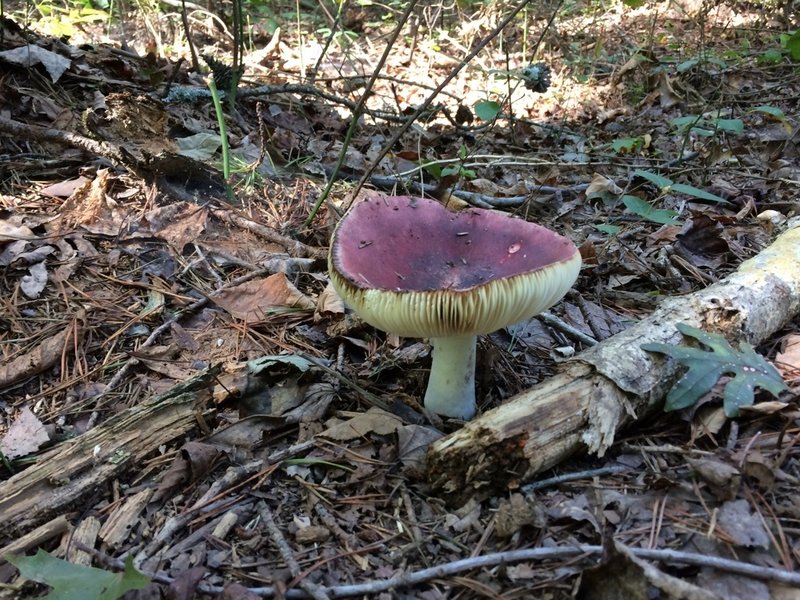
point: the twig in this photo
(232, 478)
(556, 323)
(116, 154)
(293, 247)
(312, 589)
(359, 109)
(544, 483)
(429, 100)
(490, 560)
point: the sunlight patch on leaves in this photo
(748, 368)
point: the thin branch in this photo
(578, 475)
(429, 100)
(492, 560)
(312, 589)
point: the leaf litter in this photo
(120, 284)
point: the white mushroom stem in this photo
(451, 387)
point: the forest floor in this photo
(180, 384)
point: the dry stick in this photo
(490, 560)
(295, 248)
(151, 339)
(232, 477)
(578, 475)
(312, 589)
(358, 110)
(115, 154)
(573, 332)
(429, 100)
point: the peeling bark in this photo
(611, 385)
(66, 476)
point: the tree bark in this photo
(66, 477)
(613, 384)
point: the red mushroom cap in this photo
(411, 267)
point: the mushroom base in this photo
(451, 387)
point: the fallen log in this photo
(65, 477)
(614, 383)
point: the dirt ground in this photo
(181, 386)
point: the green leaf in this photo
(626, 144)
(633, 3)
(268, 363)
(792, 44)
(660, 181)
(690, 190)
(609, 229)
(684, 123)
(686, 65)
(730, 125)
(748, 368)
(772, 111)
(771, 56)
(75, 582)
(643, 208)
(487, 110)
(447, 171)
(434, 169)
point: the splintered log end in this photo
(531, 432)
(479, 459)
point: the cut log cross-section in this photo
(612, 384)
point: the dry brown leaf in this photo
(374, 420)
(602, 185)
(25, 435)
(179, 224)
(517, 512)
(45, 355)
(253, 300)
(329, 302)
(788, 360)
(10, 232)
(742, 525)
(93, 209)
(723, 479)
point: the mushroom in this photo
(410, 266)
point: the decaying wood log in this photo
(73, 470)
(612, 384)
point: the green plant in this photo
(706, 125)
(666, 185)
(630, 144)
(223, 135)
(788, 45)
(61, 21)
(647, 211)
(455, 169)
(705, 367)
(75, 582)
(644, 209)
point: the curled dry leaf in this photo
(25, 435)
(788, 360)
(329, 302)
(374, 420)
(253, 300)
(723, 479)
